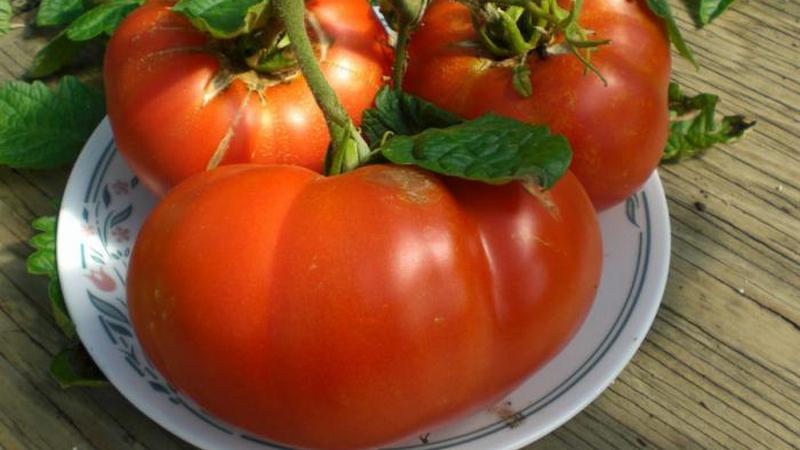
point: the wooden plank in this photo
(144, 430)
(721, 366)
(104, 421)
(27, 413)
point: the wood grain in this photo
(720, 367)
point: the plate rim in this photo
(616, 361)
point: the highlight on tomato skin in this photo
(181, 102)
(352, 311)
(617, 126)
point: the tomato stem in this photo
(292, 13)
(400, 56)
(348, 147)
(266, 51)
(408, 14)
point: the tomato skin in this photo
(617, 132)
(158, 77)
(352, 311)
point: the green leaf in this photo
(74, 367)
(59, 12)
(5, 16)
(224, 19)
(709, 10)
(491, 149)
(695, 128)
(45, 224)
(398, 113)
(44, 128)
(43, 241)
(102, 19)
(43, 262)
(59, 308)
(54, 55)
(661, 9)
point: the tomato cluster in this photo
(350, 311)
(177, 104)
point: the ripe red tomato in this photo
(350, 311)
(161, 73)
(617, 132)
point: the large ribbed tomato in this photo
(172, 109)
(350, 311)
(617, 132)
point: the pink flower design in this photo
(87, 229)
(121, 234)
(101, 280)
(120, 187)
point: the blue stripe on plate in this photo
(96, 171)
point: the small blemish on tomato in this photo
(544, 198)
(412, 185)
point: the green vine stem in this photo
(407, 15)
(349, 150)
(400, 56)
(292, 13)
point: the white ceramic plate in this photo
(104, 206)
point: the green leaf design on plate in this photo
(107, 308)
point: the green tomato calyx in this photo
(511, 31)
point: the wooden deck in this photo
(719, 369)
